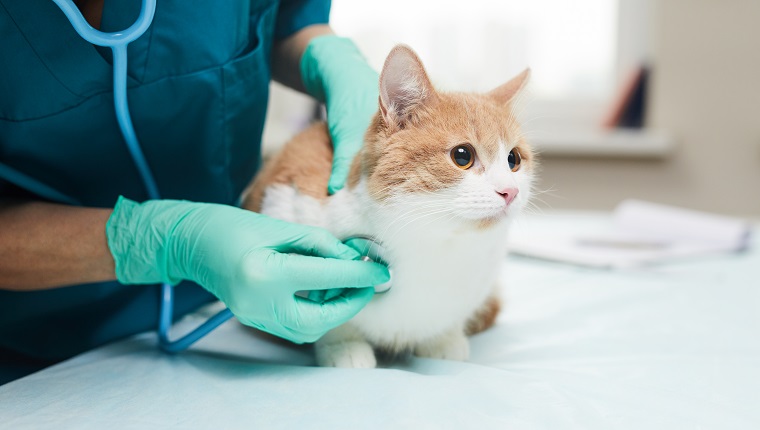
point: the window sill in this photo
(604, 144)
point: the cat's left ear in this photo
(507, 92)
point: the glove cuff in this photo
(329, 58)
(137, 236)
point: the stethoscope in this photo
(118, 42)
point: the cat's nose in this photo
(508, 194)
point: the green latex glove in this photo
(252, 263)
(335, 73)
(360, 245)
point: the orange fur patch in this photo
(304, 163)
(485, 316)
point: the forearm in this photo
(286, 55)
(45, 245)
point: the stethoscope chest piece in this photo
(371, 250)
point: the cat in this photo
(437, 181)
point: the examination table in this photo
(673, 346)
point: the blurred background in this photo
(651, 99)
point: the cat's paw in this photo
(352, 354)
(451, 346)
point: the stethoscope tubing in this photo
(101, 38)
(118, 42)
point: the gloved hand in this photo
(252, 263)
(334, 72)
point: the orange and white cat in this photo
(437, 181)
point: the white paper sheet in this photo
(639, 233)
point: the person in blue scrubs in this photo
(80, 257)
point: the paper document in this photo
(641, 233)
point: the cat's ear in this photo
(404, 86)
(507, 92)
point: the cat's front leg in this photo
(451, 345)
(345, 346)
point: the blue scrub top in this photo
(198, 86)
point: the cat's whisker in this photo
(550, 191)
(446, 216)
(415, 215)
(531, 209)
(536, 198)
(409, 222)
(533, 204)
(412, 211)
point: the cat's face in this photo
(456, 156)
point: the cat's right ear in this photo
(404, 87)
(506, 93)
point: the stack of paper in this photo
(641, 233)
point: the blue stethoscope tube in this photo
(118, 42)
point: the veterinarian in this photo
(83, 249)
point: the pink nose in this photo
(509, 194)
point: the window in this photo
(476, 45)
(579, 51)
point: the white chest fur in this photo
(442, 269)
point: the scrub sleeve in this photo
(198, 84)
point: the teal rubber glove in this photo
(335, 73)
(252, 263)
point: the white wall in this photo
(706, 93)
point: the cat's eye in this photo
(514, 160)
(463, 156)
